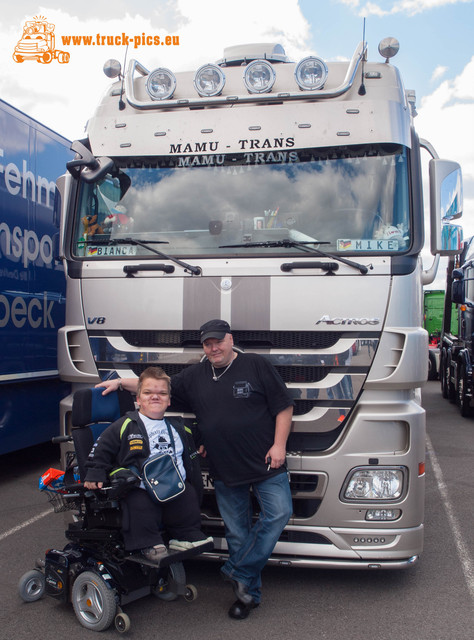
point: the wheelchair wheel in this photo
(122, 622)
(94, 603)
(176, 576)
(191, 593)
(32, 585)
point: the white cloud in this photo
(447, 116)
(64, 96)
(372, 9)
(438, 73)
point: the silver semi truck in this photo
(285, 198)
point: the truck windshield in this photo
(355, 200)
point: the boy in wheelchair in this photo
(129, 442)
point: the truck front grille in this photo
(247, 340)
(324, 371)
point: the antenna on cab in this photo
(362, 90)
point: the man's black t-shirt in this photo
(235, 414)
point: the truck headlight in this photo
(161, 84)
(374, 483)
(259, 76)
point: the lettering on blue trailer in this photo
(35, 312)
(32, 282)
(25, 184)
(25, 244)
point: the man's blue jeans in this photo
(251, 546)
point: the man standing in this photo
(244, 412)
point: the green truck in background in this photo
(433, 310)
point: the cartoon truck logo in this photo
(37, 43)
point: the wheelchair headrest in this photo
(89, 406)
(91, 414)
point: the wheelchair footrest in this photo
(171, 557)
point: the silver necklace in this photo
(216, 378)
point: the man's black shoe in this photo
(240, 590)
(240, 611)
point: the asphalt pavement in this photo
(432, 600)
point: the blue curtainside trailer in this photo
(32, 283)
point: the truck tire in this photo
(432, 373)
(447, 388)
(462, 400)
(442, 373)
(450, 387)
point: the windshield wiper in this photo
(196, 271)
(287, 243)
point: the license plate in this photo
(207, 481)
(104, 251)
(368, 245)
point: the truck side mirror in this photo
(90, 168)
(446, 202)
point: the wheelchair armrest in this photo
(119, 487)
(60, 439)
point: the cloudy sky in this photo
(436, 55)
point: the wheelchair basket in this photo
(63, 502)
(59, 495)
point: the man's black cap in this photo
(214, 329)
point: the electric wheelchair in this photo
(93, 571)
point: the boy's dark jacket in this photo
(117, 448)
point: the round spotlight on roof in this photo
(209, 80)
(259, 76)
(161, 84)
(388, 48)
(311, 73)
(112, 68)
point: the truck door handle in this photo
(131, 269)
(325, 266)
